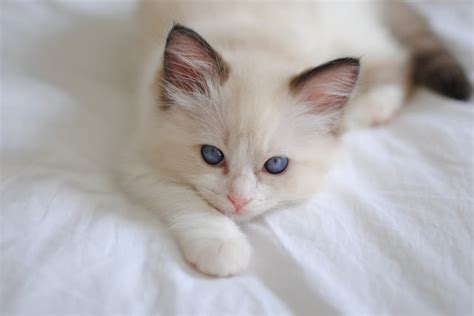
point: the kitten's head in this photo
(240, 129)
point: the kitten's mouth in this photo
(241, 216)
(237, 216)
(218, 209)
(231, 215)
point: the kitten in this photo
(246, 118)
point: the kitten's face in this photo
(244, 146)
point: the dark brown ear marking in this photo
(299, 80)
(189, 61)
(327, 87)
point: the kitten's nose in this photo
(237, 201)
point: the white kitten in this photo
(247, 120)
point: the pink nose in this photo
(238, 202)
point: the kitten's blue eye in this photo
(212, 155)
(276, 165)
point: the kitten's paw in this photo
(219, 257)
(376, 107)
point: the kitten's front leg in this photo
(209, 240)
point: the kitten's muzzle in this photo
(237, 201)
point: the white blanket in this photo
(391, 232)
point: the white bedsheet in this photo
(391, 232)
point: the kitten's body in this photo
(251, 112)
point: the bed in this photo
(390, 233)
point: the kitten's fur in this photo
(249, 86)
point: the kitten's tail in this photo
(432, 65)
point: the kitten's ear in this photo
(190, 64)
(326, 88)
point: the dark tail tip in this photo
(442, 73)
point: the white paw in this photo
(377, 106)
(218, 257)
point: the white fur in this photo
(251, 118)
